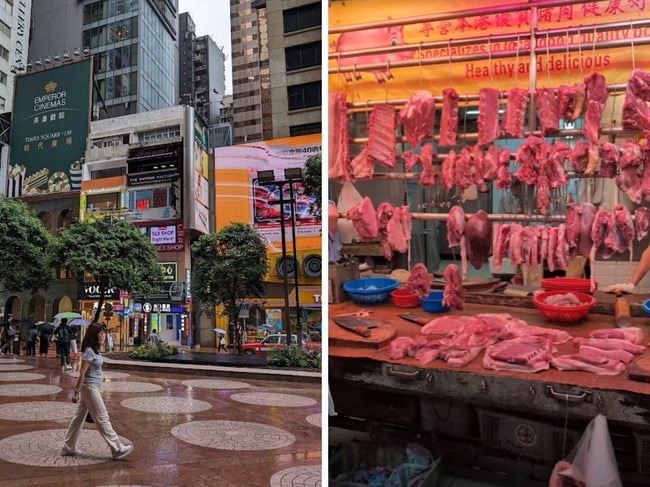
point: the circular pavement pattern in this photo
(233, 435)
(272, 399)
(37, 411)
(130, 387)
(16, 376)
(108, 374)
(315, 419)
(307, 476)
(216, 384)
(16, 390)
(43, 448)
(11, 360)
(166, 404)
(7, 367)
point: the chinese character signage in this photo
(51, 121)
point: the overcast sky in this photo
(212, 17)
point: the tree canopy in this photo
(229, 266)
(25, 263)
(112, 252)
(312, 182)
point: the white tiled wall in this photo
(608, 273)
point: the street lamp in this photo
(291, 175)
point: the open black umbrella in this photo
(46, 328)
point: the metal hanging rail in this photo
(515, 217)
(407, 176)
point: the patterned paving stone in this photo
(315, 419)
(272, 399)
(107, 374)
(7, 367)
(19, 390)
(166, 404)
(18, 376)
(43, 448)
(11, 360)
(130, 387)
(37, 411)
(307, 476)
(216, 384)
(233, 435)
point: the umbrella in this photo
(219, 330)
(46, 327)
(266, 328)
(66, 314)
(78, 322)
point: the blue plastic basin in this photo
(433, 303)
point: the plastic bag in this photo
(593, 462)
(419, 465)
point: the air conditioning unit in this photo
(307, 265)
(312, 266)
(288, 266)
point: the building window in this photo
(4, 53)
(302, 17)
(3, 78)
(159, 134)
(303, 56)
(143, 199)
(304, 95)
(305, 129)
(5, 29)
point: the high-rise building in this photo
(276, 58)
(133, 43)
(15, 18)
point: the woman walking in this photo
(88, 395)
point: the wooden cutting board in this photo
(640, 369)
(379, 337)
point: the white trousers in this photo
(73, 346)
(90, 401)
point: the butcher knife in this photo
(356, 325)
(416, 318)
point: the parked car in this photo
(273, 342)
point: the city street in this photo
(191, 425)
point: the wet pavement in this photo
(191, 425)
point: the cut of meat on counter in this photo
(338, 137)
(566, 299)
(610, 344)
(419, 280)
(547, 111)
(453, 295)
(524, 354)
(588, 362)
(417, 116)
(478, 232)
(512, 123)
(449, 118)
(364, 219)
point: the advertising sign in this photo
(470, 52)
(162, 235)
(51, 120)
(199, 214)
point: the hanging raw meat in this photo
(361, 166)
(609, 159)
(514, 116)
(547, 111)
(456, 233)
(338, 137)
(384, 215)
(427, 176)
(449, 117)
(453, 295)
(410, 160)
(504, 177)
(596, 89)
(571, 101)
(572, 222)
(364, 219)
(488, 115)
(621, 231)
(491, 163)
(555, 168)
(587, 215)
(500, 245)
(381, 135)
(515, 250)
(641, 222)
(579, 156)
(419, 280)
(631, 155)
(416, 116)
(448, 170)
(477, 156)
(478, 232)
(464, 169)
(636, 114)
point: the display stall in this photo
(490, 151)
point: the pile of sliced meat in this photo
(513, 344)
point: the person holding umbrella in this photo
(222, 344)
(44, 339)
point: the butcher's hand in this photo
(624, 288)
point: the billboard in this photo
(51, 121)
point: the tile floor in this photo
(204, 428)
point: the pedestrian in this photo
(222, 344)
(87, 394)
(9, 333)
(109, 341)
(153, 337)
(31, 341)
(73, 341)
(44, 339)
(63, 335)
(54, 339)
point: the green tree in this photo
(312, 182)
(25, 263)
(112, 252)
(227, 267)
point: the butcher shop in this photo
(489, 257)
